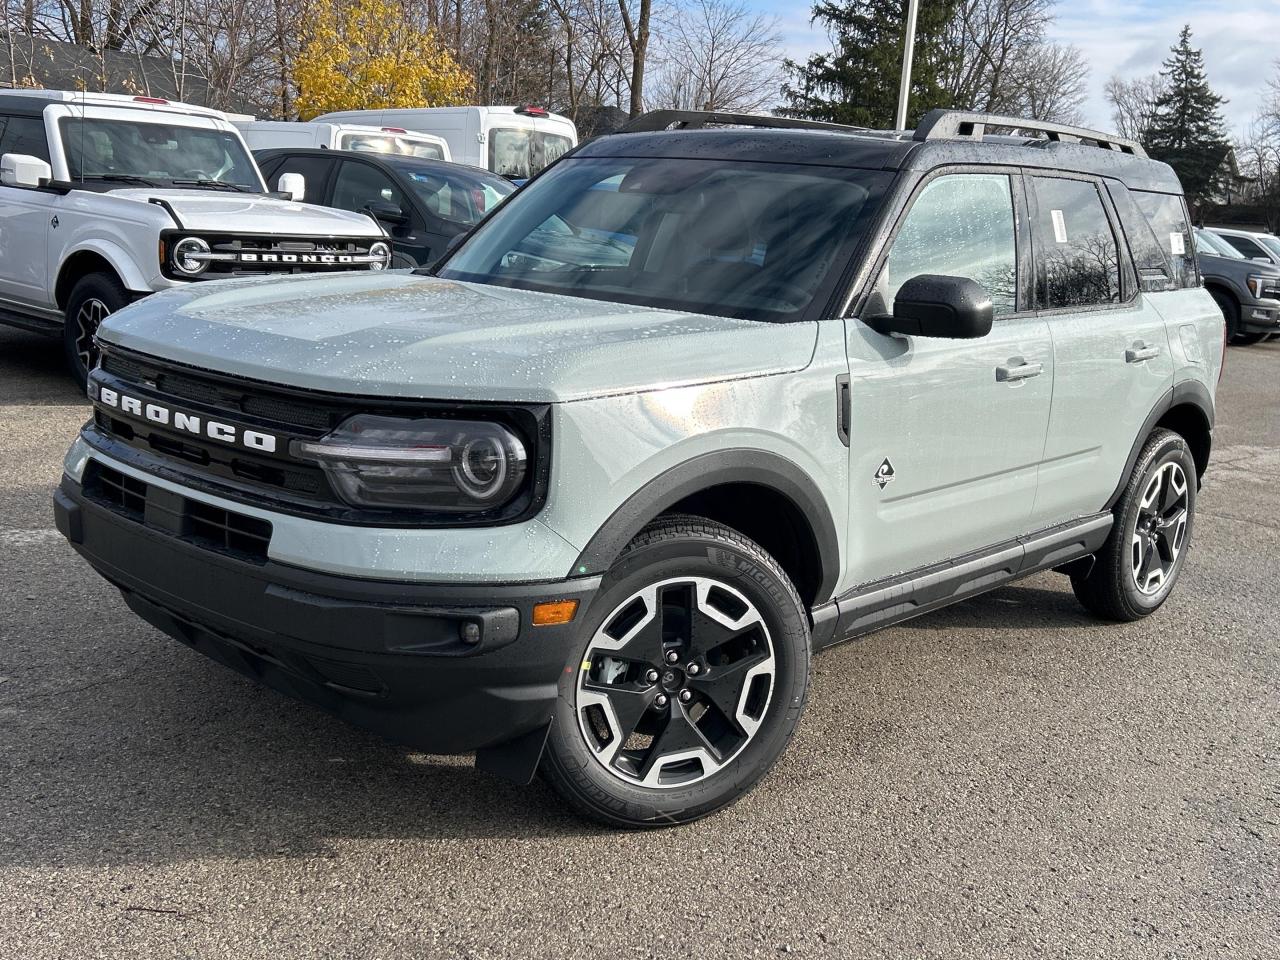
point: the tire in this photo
(93, 298)
(1137, 568)
(743, 667)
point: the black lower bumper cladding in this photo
(444, 668)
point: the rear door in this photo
(1111, 351)
(946, 436)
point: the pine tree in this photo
(1187, 130)
(857, 83)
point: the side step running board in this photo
(886, 602)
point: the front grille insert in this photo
(201, 524)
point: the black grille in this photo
(198, 523)
(271, 479)
(127, 495)
(212, 392)
(227, 532)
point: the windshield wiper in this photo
(213, 184)
(117, 178)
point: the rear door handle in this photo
(1140, 353)
(1018, 369)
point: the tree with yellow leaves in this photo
(368, 54)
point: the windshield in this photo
(390, 143)
(759, 241)
(460, 197)
(157, 154)
(520, 153)
(1207, 242)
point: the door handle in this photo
(1140, 353)
(1018, 369)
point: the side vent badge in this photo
(884, 474)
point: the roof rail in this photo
(656, 120)
(951, 124)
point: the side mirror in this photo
(386, 211)
(21, 170)
(294, 185)
(1261, 259)
(929, 305)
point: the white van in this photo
(514, 142)
(270, 134)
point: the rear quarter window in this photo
(1167, 214)
(1156, 270)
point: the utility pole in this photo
(908, 51)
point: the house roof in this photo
(54, 65)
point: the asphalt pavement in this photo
(1006, 778)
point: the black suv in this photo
(423, 204)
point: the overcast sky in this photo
(1130, 37)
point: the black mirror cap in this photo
(930, 305)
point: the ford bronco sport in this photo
(689, 407)
(106, 198)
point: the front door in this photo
(947, 436)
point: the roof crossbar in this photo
(656, 120)
(960, 124)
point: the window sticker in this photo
(1177, 244)
(1059, 226)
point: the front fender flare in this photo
(121, 261)
(736, 465)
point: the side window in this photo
(1246, 246)
(315, 170)
(1168, 218)
(1077, 260)
(960, 225)
(24, 135)
(360, 184)
(1156, 272)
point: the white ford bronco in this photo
(689, 407)
(105, 198)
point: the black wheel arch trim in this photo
(1187, 392)
(736, 466)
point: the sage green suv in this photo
(702, 399)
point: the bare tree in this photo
(1133, 103)
(637, 28)
(718, 55)
(1049, 82)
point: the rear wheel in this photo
(92, 300)
(689, 683)
(1134, 572)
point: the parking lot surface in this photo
(1006, 778)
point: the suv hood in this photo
(397, 334)
(226, 212)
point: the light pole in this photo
(908, 50)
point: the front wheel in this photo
(1134, 572)
(689, 681)
(92, 300)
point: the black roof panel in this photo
(885, 151)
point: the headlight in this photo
(452, 466)
(184, 262)
(1264, 288)
(383, 250)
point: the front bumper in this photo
(1261, 316)
(386, 656)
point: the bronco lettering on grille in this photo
(189, 423)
